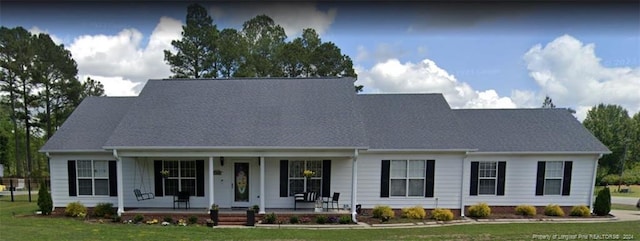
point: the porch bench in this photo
(305, 197)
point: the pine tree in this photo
(44, 199)
(602, 206)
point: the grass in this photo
(16, 223)
(634, 191)
(624, 207)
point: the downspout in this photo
(464, 160)
(119, 181)
(593, 183)
(354, 185)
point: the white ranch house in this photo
(241, 142)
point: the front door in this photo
(241, 184)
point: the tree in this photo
(611, 125)
(548, 103)
(602, 206)
(196, 51)
(232, 53)
(264, 40)
(91, 87)
(44, 199)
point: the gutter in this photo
(464, 160)
(593, 182)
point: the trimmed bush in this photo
(75, 209)
(441, 214)
(553, 210)
(321, 219)
(138, 218)
(103, 210)
(193, 219)
(480, 210)
(333, 219)
(44, 199)
(270, 218)
(415, 212)
(383, 212)
(526, 210)
(345, 219)
(580, 211)
(294, 219)
(168, 219)
(602, 206)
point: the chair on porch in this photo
(142, 196)
(333, 199)
(181, 197)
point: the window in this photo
(93, 177)
(487, 176)
(407, 178)
(182, 177)
(553, 178)
(298, 183)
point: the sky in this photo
(477, 54)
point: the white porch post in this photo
(211, 200)
(354, 185)
(262, 197)
(119, 183)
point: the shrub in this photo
(321, 219)
(294, 219)
(383, 212)
(415, 212)
(602, 206)
(580, 211)
(103, 210)
(75, 209)
(553, 210)
(333, 219)
(345, 219)
(138, 218)
(526, 210)
(117, 219)
(168, 219)
(441, 214)
(44, 199)
(193, 219)
(480, 210)
(270, 218)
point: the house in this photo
(240, 142)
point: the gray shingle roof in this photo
(90, 125)
(243, 113)
(411, 121)
(527, 130)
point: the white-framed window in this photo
(297, 181)
(93, 177)
(407, 178)
(182, 177)
(553, 177)
(487, 177)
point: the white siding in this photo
(60, 180)
(520, 181)
(446, 181)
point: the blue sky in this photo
(486, 55)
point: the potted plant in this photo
(164, 173)
(256, 208)
(213, 214)
(251, 217)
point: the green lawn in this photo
(21, 227)
(624, 207)
(634, 191)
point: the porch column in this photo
(211, 200)
(262, 197)
(354, 185)
(120, 185)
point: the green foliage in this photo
(321, 219)
(103, 210)
(44, 199)
(193, 219)
(611, 125)
(294, 219)
(270, 218)
(75, 209)
(345, 219)
(602, 206)
(526, 210)
(383, 212)
(553, 210)
(168, 219)
(480, 210)
(580, 211)
(138, 218)
(415, 212)
(441, 214)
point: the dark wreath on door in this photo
(241, 190)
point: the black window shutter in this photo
(113, 179)
(540, 179)
(71, 170)
(326, 178)
(157, 167)
(284, 178)
(200, 178)
(384, 178)
(501, 178)
(566, 178)
(473, 188)
(430, 174)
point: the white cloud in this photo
(293, 17)
(123, 58)
(36, 30)
(392, 76)
(572, 75)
